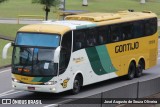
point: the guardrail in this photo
(30, 16)
(135, 90)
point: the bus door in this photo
(65, 54)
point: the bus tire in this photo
(139, 69)
(131, 71)
(76, 85)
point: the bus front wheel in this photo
(131, 71)
(76, 85)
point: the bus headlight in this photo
(15, 80)
(50, 83)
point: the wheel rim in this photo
(140, 68)
(132, 71)
(76, 86)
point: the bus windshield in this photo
(33, 54)
(38, 39)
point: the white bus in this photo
(82, 50)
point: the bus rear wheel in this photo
(131, 71)
(139, 69)
(76, 85)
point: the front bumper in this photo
(34, 88)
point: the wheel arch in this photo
(143, 61)
(79, 73)
(133, 60)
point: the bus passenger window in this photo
(79, 40)
(150, 26)
(153, 25)
(126, 30)
(103, 34)
(138, 29)
(92, 37)
(115, 33)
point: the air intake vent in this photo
(93, 17)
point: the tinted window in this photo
(138, 29)
(150, 26)
(115, 33)
(92, 37)
(127, 31)
(65, 52)
(103, 35)
(79, 40)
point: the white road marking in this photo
(6, 92)
(4, 71)
(10, 93)
(58, 102)
(51, 105)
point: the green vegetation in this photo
(7, 61)
(47, 5)
(2, 1)
(115, 5)
(13, 8)
(9, 29)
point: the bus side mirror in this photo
(57, 54)
(5, 50)
(13, 44)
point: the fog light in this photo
(53, 89)
(13, 86)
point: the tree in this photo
(47, 5)
(2, 1)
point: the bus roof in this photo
(86, 20)
(58, 27)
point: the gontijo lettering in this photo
(126, 47)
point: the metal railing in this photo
(30, 16)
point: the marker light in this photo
(50, 83)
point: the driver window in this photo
(65, 52)
(17, 55)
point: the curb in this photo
(6, 66)
(6, 38)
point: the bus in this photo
(56, 56)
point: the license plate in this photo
(31, 88)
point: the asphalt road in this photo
(6, 90)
